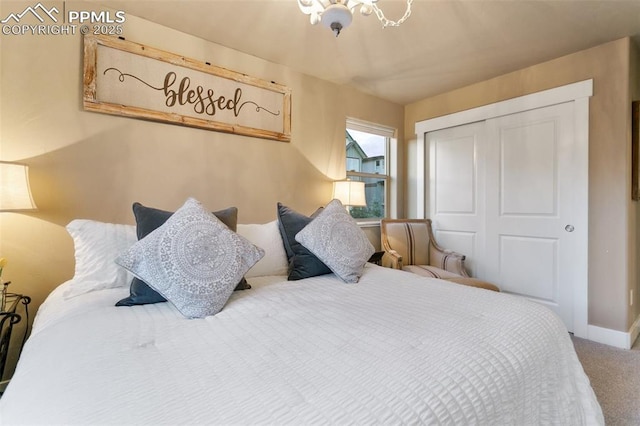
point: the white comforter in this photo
(393, 349)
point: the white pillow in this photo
(266, 236)
(193, 260)
(337, 240)
(97, 244)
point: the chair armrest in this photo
(448, 260)
(392, 259)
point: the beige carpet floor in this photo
(615, 378)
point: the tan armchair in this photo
(409, 245)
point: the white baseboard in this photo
(619, 339)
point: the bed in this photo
(393, 348)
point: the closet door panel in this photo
(456, 188)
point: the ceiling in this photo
(445, 44)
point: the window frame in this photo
(389, 134)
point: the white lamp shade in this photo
(350, 193)
(15, 193)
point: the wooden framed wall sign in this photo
(133, 80)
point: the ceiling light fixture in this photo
(338, 14)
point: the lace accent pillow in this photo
(337, 240)
(193, 260)
(148, 219)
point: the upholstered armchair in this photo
(409, 245)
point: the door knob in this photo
(569, 228)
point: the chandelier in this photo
(338, 14)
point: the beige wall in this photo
(612, 215)
(91, 165)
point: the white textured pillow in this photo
(97, 244)
(193, 260)
(337, 240)
(267, 237)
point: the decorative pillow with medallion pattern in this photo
(149, 219)
(337, 240)
(193, 260)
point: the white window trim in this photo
(391, 168)
(365, 126)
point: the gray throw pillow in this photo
(337, 240)
(193, 260)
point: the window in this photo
(367, 147)
(353, 164)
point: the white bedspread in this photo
(393, 349)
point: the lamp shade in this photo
(350, 193)
(15, 193)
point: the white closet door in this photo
(531, 215)
(456, 190)
(506, 193)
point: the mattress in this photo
(395, 348)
